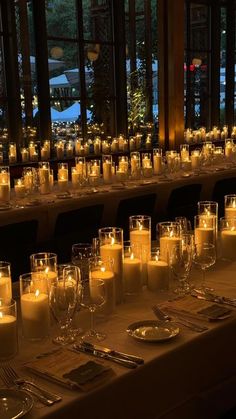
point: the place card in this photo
(71, 369)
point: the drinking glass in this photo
(81, 253)
(180, 261)
(204, 256)
(93, 296)
(8, 329)
(63, 297)
(185, 224)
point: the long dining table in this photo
(191, 376)
(46, 208)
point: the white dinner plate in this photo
(14, 403)
(153, 330)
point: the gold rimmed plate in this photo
(14, 403)
(152, 330)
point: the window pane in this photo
(199, 21)
(61, 18)
(97, 20)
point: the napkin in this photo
(71, 369)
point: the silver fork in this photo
(10, 377)
(161, 315)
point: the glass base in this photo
(93, 335)
(64, 340)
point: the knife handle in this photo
(129, 357)
(124, 362)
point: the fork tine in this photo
(6, 377)
(12, 373)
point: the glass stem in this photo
(92, 319)
(203, 277)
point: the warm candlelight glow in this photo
(37, 293)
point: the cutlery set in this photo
(208, 296)
(178, 318)
(126, 360)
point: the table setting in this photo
(76, 330)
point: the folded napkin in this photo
(71, 369)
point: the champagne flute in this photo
(93, 296)
(63, 298)
(204, 256)
(180, 262)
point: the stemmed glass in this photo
(93, 296)
(63, 298)
(204, 256)
(180, 262)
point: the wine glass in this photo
(63, 298)
(185, 224)
(93, 296)
(204, 256)
(180, 261)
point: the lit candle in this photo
(157, 274)
(8, 336)
(204, 233)
(109, 283)
(35, 315)
(4, 191)
(24, 155)
(132, 274)
(230, 211)
(114, 251)
(20, 189)
(167, 243)
(228, 243)
(107, 171)
(157, 164)
(75, 177)
(44, 178)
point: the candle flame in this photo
(132, 256)
(140, 226)
(46, 270)
(112, 241)
(232, 229)
(1, 315)
(204, 224)
(234, 204)
(37, 293)
(103, 269)
(171, 233)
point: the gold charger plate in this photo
(153, 330)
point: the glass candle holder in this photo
(24, 154)
(60, 147)
(169, 236)
(157, 161)
(208, 209)
(5, 184)
(45, 263)
(157, 272)
(140, 234)
(12, 155)
(97, 145)
(204, 229)
(147, 165)
(107, 168)
(62, 176)
(184, 152)
(19, 187)
(34, 306)
(28, 176)
(8, 329)
(106, 147)
(132, 270)
(230, 205)
(93, 168)
(32, 149)
(229, 146)
(5, 281)
(44, 178)
(132, 144)
(111, 246)
(80, 164)
(75, 177)
(135, 165)
(228, 238)
(69, 149)
(80, 256)
(78, 143)
(104, 269)
(195, 159)
(138, 140)
(45, 153)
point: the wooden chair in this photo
(183, 202)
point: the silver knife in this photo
(201, 295)
(125, 362)
(115, 353)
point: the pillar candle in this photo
(75, 178)
(228, 244)
(158, 275)
(107, 172)
(167, 243)
(109, 282)
(44, 177)
(8, 336)
(157, 164)
(132, 275)
(230, 212)
(204, 235)
(24, 155)
(115, 252)
(35, 315)
(195, 161)
(20, 189)
(4, 192)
